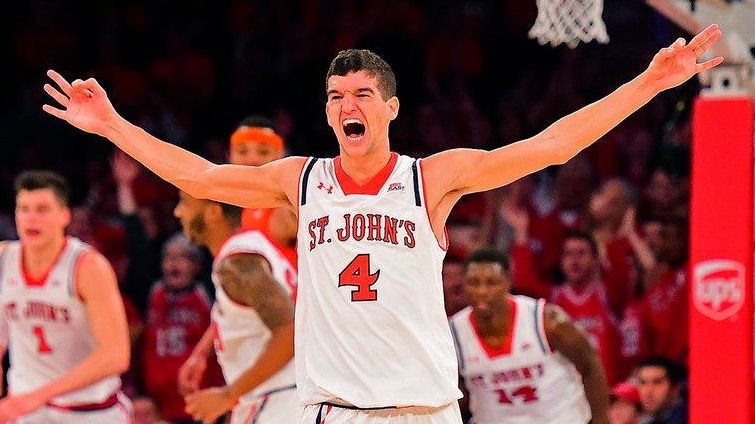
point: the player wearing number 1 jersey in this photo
(523, 361)
(65, 321)
(372, 340)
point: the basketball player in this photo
(252, 318)
(67, 330)
(521, 358)
(372, 339)
(256, 143)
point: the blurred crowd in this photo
(604, 236)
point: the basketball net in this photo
(569, 22)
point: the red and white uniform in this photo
(371, 329)
(242, 336)
(49, 334)
(523, 382)
(590, 311)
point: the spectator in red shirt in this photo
(607, 208)
(177, 316)
(583, 297)
(665, 306)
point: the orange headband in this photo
(257, 135)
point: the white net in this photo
(569, 22)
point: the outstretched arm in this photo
(564, 337)
(247, 280)
(461, 171)
(86, 106)
(98, 289)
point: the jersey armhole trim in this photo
(304, 180)
(415, 179)
(459, 352)
(443, 244)
(540, 328)
(73, 276)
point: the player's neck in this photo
(361, 169)
(39, 259)
(497, 324)
(218, 236)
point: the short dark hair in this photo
(257, 121)
(674, 371)
(584, 236)
(489, 256)
(231, 213)
(355, 60)
(37, 179)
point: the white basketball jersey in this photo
(49, 332)
(524, 382)
(371, 328)
(242, 335)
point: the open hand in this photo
(209, 404)
(677, 63)
(190, 374)
(85, 104)
(13, 407)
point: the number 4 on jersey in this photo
(357, 273)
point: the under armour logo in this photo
(322, 186)
(526, 346)
(395, 186)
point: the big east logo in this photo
(719, 287)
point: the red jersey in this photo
(176, 320)
(633, 338)
(547, 232)
(259, 219)
(665, 310)
(589, 310)
(618, 277)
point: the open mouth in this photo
(354, 129)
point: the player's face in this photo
(40, 217)
(190, 212)
(358, 113)
(654, 387)
(577, 260)
(486, 286)
(254, 154)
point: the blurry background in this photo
(467, 75)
